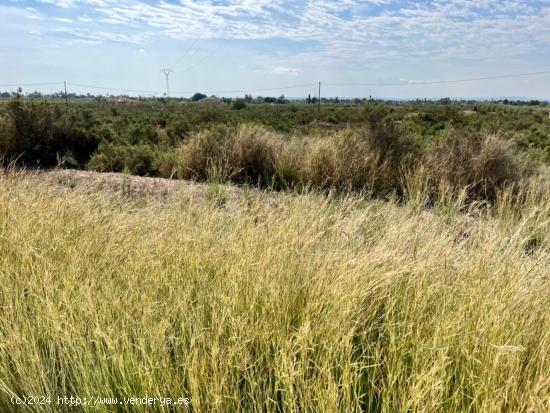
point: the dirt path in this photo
(129, 184)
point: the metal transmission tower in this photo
(167, 73)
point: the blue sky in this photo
(227, 45)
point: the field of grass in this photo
(243, 300)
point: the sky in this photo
(356, 48)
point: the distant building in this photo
(210, 101)
(123, 99)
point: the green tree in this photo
(239, 104)
(198, 96)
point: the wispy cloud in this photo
(348, 28)
(286, 71)
(282, 38)
(102, 36)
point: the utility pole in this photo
(319, 97)
(167, 73)
(66, 99)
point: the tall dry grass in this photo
(274, 302)
(379, 159)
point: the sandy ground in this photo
(138, 185)
(129, 185)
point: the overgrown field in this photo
(371, 148)
(275, 301)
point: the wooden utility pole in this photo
(319, 97)
(66, 99)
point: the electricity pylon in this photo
(167, 73)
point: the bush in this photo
(481, 164)
(39, 133)
(239, 104)
(346, 161)
(137, 159)
(243, 155)
(7, 136)
(252, 155)
(166, 164)
(205, 154)
(289, 162)
(387, 138)
(177, 129)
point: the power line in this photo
(437, 82)
(194, 53)
(255, 90)
(153, 92)
(156, 92)
(30, 84)
(201, 45)
(214, 50)
(195, 42)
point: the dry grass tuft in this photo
(483, 165)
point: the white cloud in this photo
(62, 19)
(102, 36)
(85, 19)
(72, 3)
(344, 41)
(286, 71)
(59, 3)
(458, 28)
(349, 29)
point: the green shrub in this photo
(387, 138)
(239, 104)
(177, 129)
(7, 136)
(167, 164)
(39, 133)
(138, 159)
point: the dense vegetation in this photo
(434, 299)
(370, 147)
(273, 302)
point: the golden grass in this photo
(273, 303)
(376, 160)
